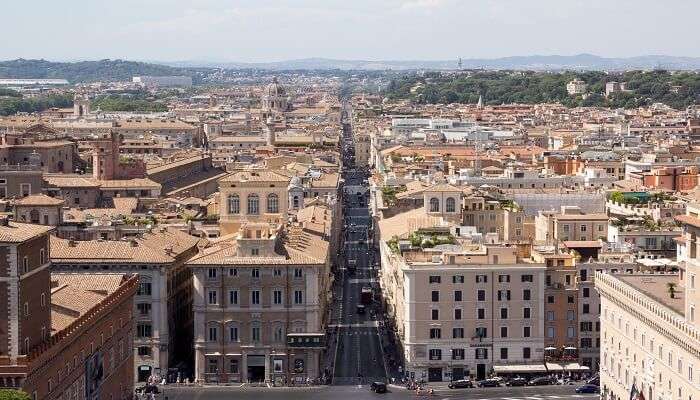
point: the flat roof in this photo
(656, 287)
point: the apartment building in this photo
(570, 224)
(259, 307)
(162, 305)
(460, 309)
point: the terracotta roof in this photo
(262, 175)
(688, 219)
(582, 217)
(154, 248)
(129, 183)
(17, 232)
(39, 200)
(443, 187)
(402, 224)
(64, 180)
(580, 244)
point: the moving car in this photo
(461, 384)
(588, 388)
(491, 382)
(517, 382)
(378, 387)
(541, 381)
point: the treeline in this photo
(128, 103)
(89, 71)
(14, 105)
(677, 90)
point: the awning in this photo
(566, 367)
(217, 354)
(233, 354)
(514, 369)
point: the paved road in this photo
(358, 351)
(359, 393)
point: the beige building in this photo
(571, 224)
(460, 308)
(650, 337)
(259, 307)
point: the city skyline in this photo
(267, 31)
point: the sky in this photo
(267, 30)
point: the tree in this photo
(617, 197)
(10, 394)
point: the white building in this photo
(576, 86)
(163, 81)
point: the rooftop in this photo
(656, 287)
(16, 232)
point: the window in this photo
(42, 255)
(144, 289)
(233, 272)
(434, 205)
(233, 297)
(273, 206)
(255, 297)
(143, 330)
(458, 313)
(503, 295)
(504, 353)
(526, 278)
(583, 275)
(253, 204)
(481, 332)
(458, 295)
(298, 297)
(481, 353)
(144, 308)
(504, 313)
(527, 294)
(255, 273)
(583, 228)
(435, 295)
(503, 278)
(586, 308)
(550, 299)
(254, 251)
(550, 315)
(233, 333)
(586, 292)
(526, 312)
(435, 315)
(482, 278)
(298, 273)
(570, 332)
(435, 333)
(458, 278)
(144, 351)
(255, 333)
(526, 331)
(234, 204)
(550, 332)
(25, 265)
(213, 366)
(233, 366)
(277, 272)
(481, 295)
(458, 333)
(434, 279)
(504, 331)
(213, 333)
(435, 354)
(569, 315)
(211, 273)
(480, 313)
(458, 354)
(526, 352)
(277, 297)
(212, 297)
(450, 205)
(570, 299)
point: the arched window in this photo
(273, 204)
(450, 205)
(253, 204)
(34, 216)
(434, 205)
(234, 204)
(295, 201)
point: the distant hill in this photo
(536, 63)
(87, 71)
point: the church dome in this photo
(275, 89)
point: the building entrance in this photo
(256, 368)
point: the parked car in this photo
(461, 384)
(541, 381)
(517, 382)
(588, 388)
(378, 387)
(491, 382)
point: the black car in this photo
(516, 382)
(588, 388)
(541, 381)
(378, 387)
(490, 383)
(461, 384)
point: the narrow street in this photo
(358, 348)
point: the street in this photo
(358, 353)
(357, 393)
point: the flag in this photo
(635, 394)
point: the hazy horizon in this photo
(268, 31)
